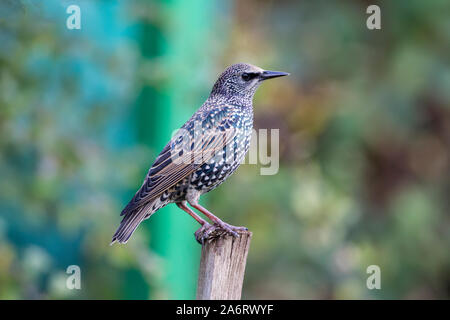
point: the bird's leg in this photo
(202, 233)
(182, 205)
(225, 226)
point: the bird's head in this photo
(242, 79)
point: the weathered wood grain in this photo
(222, 267)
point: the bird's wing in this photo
(182, 156)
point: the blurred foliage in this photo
(364, 125)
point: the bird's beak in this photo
(272, 74)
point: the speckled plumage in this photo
(207, 149)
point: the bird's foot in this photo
(202, 234)
(208, 231)
(232, 230)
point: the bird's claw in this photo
(209, 232)
(202, 234)
(232, 230)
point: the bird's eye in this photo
(246, 76)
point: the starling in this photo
(207, 149)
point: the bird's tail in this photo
(130, 222)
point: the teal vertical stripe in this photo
(181, 45)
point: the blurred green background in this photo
(364, 125)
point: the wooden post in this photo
(222, 266)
